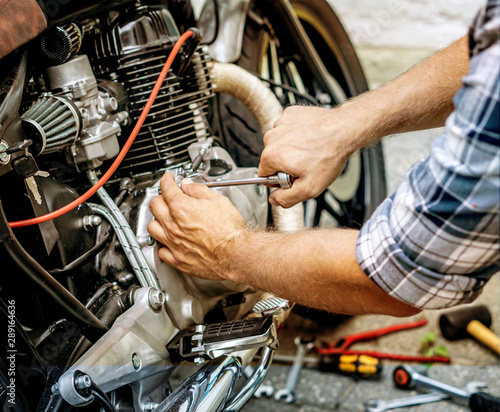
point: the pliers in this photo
(342, 346)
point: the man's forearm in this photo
(419, 99)
(316, 268)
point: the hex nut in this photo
(156, 299)
(136, 361)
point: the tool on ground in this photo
(303, 346)
(263, 389)
(342, 346)
(471, 321)
(280, 179)
(471, 396)
(379, 405)
(357, 366)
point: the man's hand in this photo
(311, 144)
(194, 224)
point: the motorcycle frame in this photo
(227, 45)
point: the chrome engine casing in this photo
(189, 299)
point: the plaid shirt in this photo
(435, 242)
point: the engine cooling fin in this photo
(53, 123)
(178, 116)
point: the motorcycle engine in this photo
(94, 92)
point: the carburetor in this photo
(74, 81)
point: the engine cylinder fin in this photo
(178, 116)
(179, 113)
(54, 122)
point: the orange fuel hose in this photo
(123, 152)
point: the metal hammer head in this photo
(453, 325)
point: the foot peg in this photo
(211, 341)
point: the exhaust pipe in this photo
(265, 107)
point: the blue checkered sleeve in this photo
(435, 242)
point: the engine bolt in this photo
(55, 389)
(136, 361)
(199, 361)
(4, 156)
(197, 338)
(156, 299)
(83, 382)
(90, 222)
(145, 241)
(150, 406)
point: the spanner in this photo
(280, 179)
(406, 377)
(293, 376)
(379, 405)
(263, 389)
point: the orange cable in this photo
(123, 152)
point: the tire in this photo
(351, 199)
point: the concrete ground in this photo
(471, 361)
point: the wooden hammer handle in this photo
(484, 335)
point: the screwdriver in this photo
(280, 179)
(356, 366)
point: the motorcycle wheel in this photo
(351, 199)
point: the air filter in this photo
(53, 123)
(59, 43)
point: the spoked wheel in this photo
(271, 51)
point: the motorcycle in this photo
(95, 319)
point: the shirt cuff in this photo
(385, 262)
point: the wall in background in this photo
(428, 24)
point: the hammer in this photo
(473, 321)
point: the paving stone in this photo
(327, 392)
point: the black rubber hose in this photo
(215, 5)
(92, 327)
(96, 296)
(295, 91)
(102, 398)
(83, 259)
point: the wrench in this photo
(263, 389)
(406, 377)
(293, 376)
(379, 405)
(280, 179)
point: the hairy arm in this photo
(313, 144)
(316, 268)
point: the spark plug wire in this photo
(123, 152)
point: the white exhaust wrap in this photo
(265, 107)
